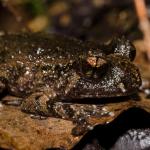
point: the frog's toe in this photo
(36, 103)
(12, 100)
(39, 117)
(81, 129)
(78, 130)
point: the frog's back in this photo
(40, 46)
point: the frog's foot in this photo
(39, 117)
(12, 100)
(70, 112)
(81, 129)
(82, 126)
(36, 104)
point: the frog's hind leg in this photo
(8, 99)
(35, 104)
(3, 81)
(2, 90)
(39, 104)
(2, 87)
(3, 77)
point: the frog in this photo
(46, 74)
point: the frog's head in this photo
(106, 75)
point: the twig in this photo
(17, 13)
(144, 23)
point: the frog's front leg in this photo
(82, 126)
(72, 112)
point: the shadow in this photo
(107, 135)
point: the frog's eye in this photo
(92, 67)
(96, 62)
(85, 68)
(92, 61)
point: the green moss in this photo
(36, 7)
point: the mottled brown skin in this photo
(48, 70)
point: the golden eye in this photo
(92, 67)
(92, 61)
